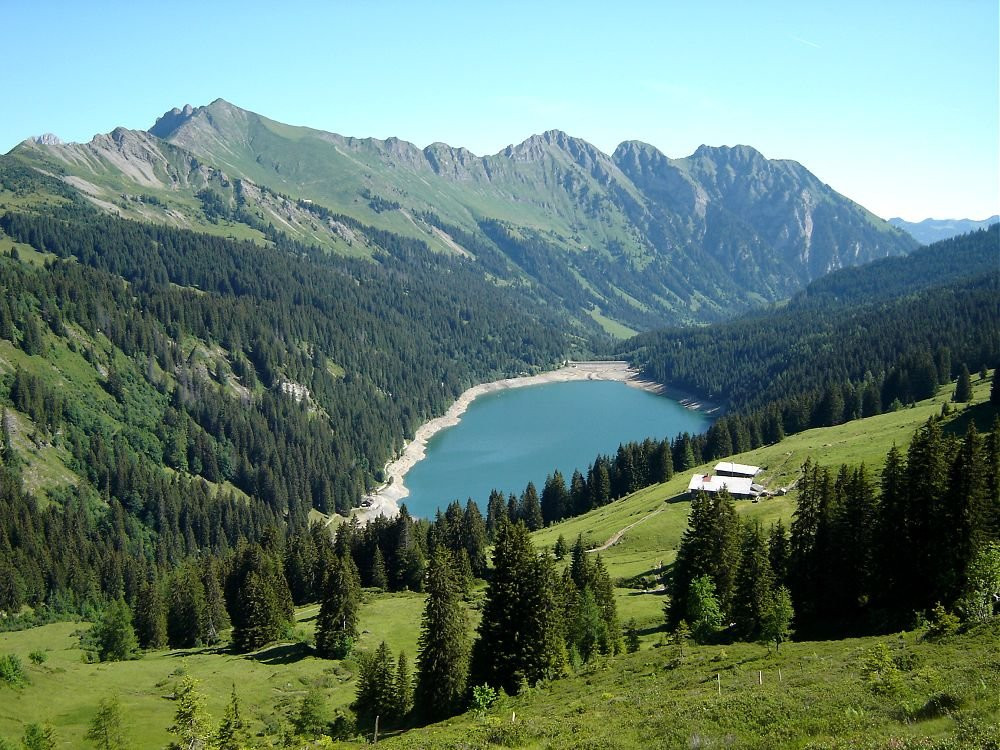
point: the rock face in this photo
(634, 236)
(47, 139)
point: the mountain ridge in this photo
(634, 237)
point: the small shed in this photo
(712, 483)
(729, 469)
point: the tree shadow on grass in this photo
(285, 653)
(982, 414)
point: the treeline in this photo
(861, 555)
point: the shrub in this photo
(38, 656)
(11, 670)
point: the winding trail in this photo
(616, 537)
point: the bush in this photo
(38, 656)
(11, 671)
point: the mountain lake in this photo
(510, 437)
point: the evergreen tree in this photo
(337, 623)
(113, 633)
(496, 509)
(555, 500)
(191, 721)
(531, 509)
(151, 617)
(995, 390)
(232, 733)
(375, 696)
(632, 643)
(587, 629)
(216, 617)
(709, 546)
(579, 496)
(311, 720)
(187, 611)
(379, 578)
(560, 548)
(260, 603)
(777, 552)
(967, 513)
(753, 583)
(107, 728)
(520, 634)
(963, 387)
(473, 532)
(443, 646)
(404, 689)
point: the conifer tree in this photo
(531, 508)
(555, 498)
(107, 728)
(995, 390)
(473, 531)
(114, 634)
(379, 578)
(753, 583)
(777, 552)
(186, 613)
(375, 696)
(216, 617)
(703, 611)
(260, 603)
(963, 387)
(496, 509)
(191, 721)
(520, 636)
(443, 646)
(311, 721)
(404, 689)
(579, 497)
(39, 737)
(337, 623)
(232, 733)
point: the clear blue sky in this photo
(895, 104)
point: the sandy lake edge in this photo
(386, 499)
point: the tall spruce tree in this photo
(520, 635)
(375, 696)
(443, 646)
(337, 623)
(496, 509)
(151, 617)
(260, 603)
(754, 583)
(531, 508)
(107, 728)
(963, 387)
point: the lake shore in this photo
(385, 501)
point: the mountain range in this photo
(935, 230)
(628, 241)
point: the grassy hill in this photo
(657, 696)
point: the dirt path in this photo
(616, 537)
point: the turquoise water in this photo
(510, 437)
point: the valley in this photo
(272, 474)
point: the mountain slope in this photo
(635, 237)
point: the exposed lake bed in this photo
(505, 433)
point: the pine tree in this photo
(186, 614)
(232, 733)
(555, 498)
(375, 696)
(753, 583)
(379, 578)
(777, 552)
(967, 514)
(496, 509)
(151, 617)
(963, 387)
(260, 603)
(404, 689)
(531, 508)
(520, 635)
(995, 390)
(107, 729)
(191, 721)
(216, 617)
(560, 548)
(587, 630)
(474, 538)
(443, 646)
(632, 643)
(337, 623)
(113, 633)
(311, 720)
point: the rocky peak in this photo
(170, 121)
(47, 139)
